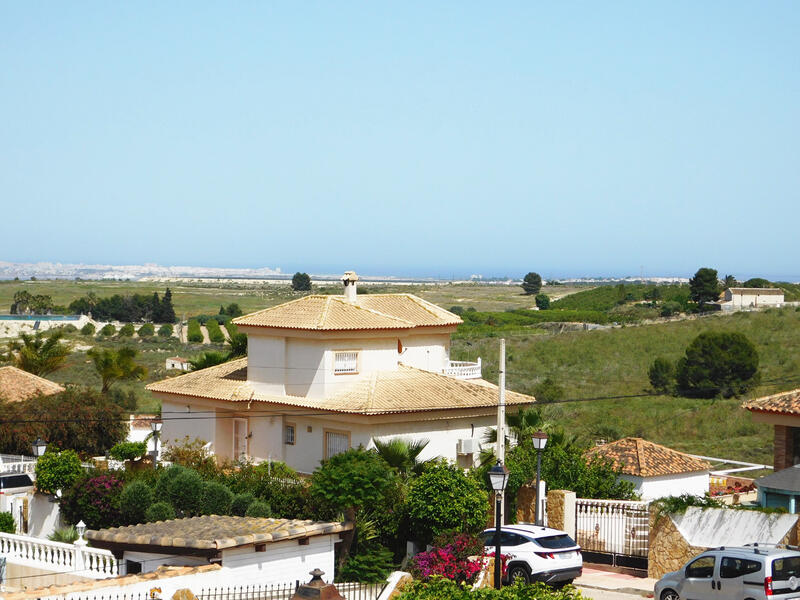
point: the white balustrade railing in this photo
(15, 463)
(461, 369)
(79, 559)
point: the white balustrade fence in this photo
(58, 557)
(17, 463)
(463, 370)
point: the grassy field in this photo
(614, 362)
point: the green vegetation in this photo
(127, 307)
(532, 283)
(447, 589)
(214, 332)
(166, 330)
(116, 365)
(65, 535)
(127, 330)
(25, 302)
(606, 297)
(662, 375)
(542, 301)
(704, 286)
(194, 333)
(57, 471)
(135, 499)
(301, 282)
(39, 354)
(717, 364)
(7, 523)
(88, 329)
(128, 450)
(108, 330)
(146, 330)
(160, 511)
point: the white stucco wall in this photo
(753, 299)
(650, 488)
(266, 361)
(184, 418)
(429, 352)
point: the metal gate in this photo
(613, 532)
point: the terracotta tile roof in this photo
(406, 390)
(215, 532)
(163, 572)
(759, 291)
(333, 313)
(787, 403)
(17, 385)
(635, 456)
(178, 359)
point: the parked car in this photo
(751, 572)
(537, 553)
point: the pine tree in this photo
(167, 311)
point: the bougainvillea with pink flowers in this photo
(456, 556)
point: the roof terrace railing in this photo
(460, 369)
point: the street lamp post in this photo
(39, 447)
(155, 426)
(498, 477)
(539, 442)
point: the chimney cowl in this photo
(349, 279)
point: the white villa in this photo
(327, 373)
(739, 298)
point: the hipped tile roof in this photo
(334, 313)
(215, 532)
(406, 390)
(786, 403)
(759, 291)
(17, 385)
(635, 456)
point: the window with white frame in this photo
(345, 362)
(336, 442)
(288, 434)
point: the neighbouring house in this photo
(739, 298)
(178, 363)
(328, 373)
(17, 385)
(656, 470)
(249, 550)
(780, 489)
(782, 411)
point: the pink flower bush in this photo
(451, 559)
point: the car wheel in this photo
(670, 595)
(520, 573)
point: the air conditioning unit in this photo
(468, 446)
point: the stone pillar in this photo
(561, 511)
(784, 450)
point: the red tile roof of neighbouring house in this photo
(368, 312)
(406, 390)
(17, 385)
(783, 403)
(635, 456)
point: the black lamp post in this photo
(39, 447)
(539, 442)
(498, 477)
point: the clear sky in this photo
(428, 138)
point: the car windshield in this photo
(553, 542)
(783, 568)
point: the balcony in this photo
(459, 369)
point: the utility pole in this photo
(501, 414)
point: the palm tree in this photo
(520, 426)
(208, 359)
(39, 354)
(238, 345)
(116, 365)
(402, 454)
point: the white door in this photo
(239, 439)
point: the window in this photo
(511, 539)
(288, 434)
(702, 568)
(555, 542)
(336, 442)
(736, 567)
(783, 568)
(345, 362)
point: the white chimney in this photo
(349, 279)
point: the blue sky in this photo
(405, 138)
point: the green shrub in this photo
(258, 509)
(108, 329)
(670, 308)
(135, 500)
(443, 498)
(57, 471)
(165, 330)
(542, 301)
(68, 328)
(194, 333)
(7, 523)
(146, 330)
(447, 589)
(185, 493)
(160, 511)
(457, 310)
(240, 503)
(214, 332)
(370, 566)
(548, 391)
(88, 329)
(65, 535)
(718, 364)
(128, 450)
(126, 330)
(662, 375)
(217, 499)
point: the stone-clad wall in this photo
(669, 550)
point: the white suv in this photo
(752, 572)
(537, 553)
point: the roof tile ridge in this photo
(428, 306)
(641, 460)
(271, 308)
(324, 313)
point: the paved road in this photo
(596, 594)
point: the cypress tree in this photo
(167, 311)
